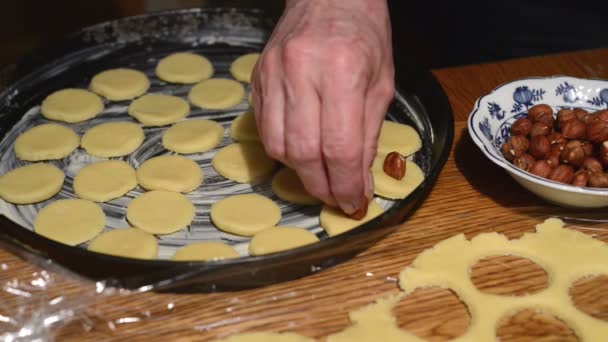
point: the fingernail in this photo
(369, 191)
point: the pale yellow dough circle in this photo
(398, 137)
(243, 163)
(277, 239)
(244, 128)
(104, 180)
(287, 185)
(71, 105)
(245, 214)
(391, 188)
(126, 242)
(205, 251)
(193, 136)
(46, 142)
(184, 67)
(31, 183)
(217, 93)
(113, 139)
(120, 84)
(159, 109)
(242, 67)
(161, 212)
(70, 221)
(335, 222)
(171, 173)
(266, 337)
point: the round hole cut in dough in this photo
(104, 180)
(193, 136)
(277, 239)
(31, 183)
(244, 128)
(184, 67)
(391, 188)
(245, 214)
(171, 173)
(113, 139)
(120, 84)
(161, 212)
(243, 163)
(46, 142)
(217, 93)
(70, 221)
(398, 137)
(287, 185)
(71, 105)
(126, 242)
(159, 109)
(205, 251)
(266, 337)
(242, 67)
(335, 222)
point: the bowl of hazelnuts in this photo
(550, 135)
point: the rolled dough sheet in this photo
(113, 139)
(398, 137)
(243, 163)
(242, 67)
(217, 93)
(389, 187)
(287, 185)
(120, 84)
(46, 142)
(193, 136)
(244, 128)
(277, 239)
(70, 221)
(171, 173)
(245, 214)
(104, 180)
(161, 212)
(205, 251)
(159, 109)
(184, 67)
(126, 242)
(266, 337)
(335, 222)
(71, 105)
(31, 183)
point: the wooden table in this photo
(472, 196)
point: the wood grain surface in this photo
(472, 196)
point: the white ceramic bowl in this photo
(491, 120)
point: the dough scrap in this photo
(217, 93)
(193, 136)
(287, 186)
(161, 212)
(335, 222)
(277, 239)
(245, 214)
(391, 188)
(266, 337)
(398, 137)
(243, 163)
(120, 84)
(205, 251)
(113, 139)
(159, 109)
(126, 242)
(104, 180)
(70, 221)
(244, 128)
(171, 173)
(184, 67)
(242, 67)
(71, 105)
(46, 142)
(31, 183)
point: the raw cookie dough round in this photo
(161, 212)
(287, 185)
(31, 183)
(184, 67)
(205, 251)
(243, 163)
(120, 84)
(113, 139)
(398, 137)
(126, 242)
(71, 105)
(244, 128)
(242, 67)
(335, 222)
(159, 109)
(245, 214)
(193, 136)
(171, 173)
(277, 239)
(70, 221)
(217, 93)
(46, 142)
(389, 187)
(104, 180)
(266, 337)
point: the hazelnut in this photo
(521, 126)
(524, 162)
(562, 173)
(394, 165)
(565, 115)
(604, 153)
(553, 159)
(601, 115)
(541, 168)
(515, 147)
(557, 138)
(573, 153)
(588, 148)
(597, 131)
(540, 147)
(592, 165)
(580, 113)
(539, 128)
(581, 178)
(574, 129)
(598, 180)
(541, 113)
